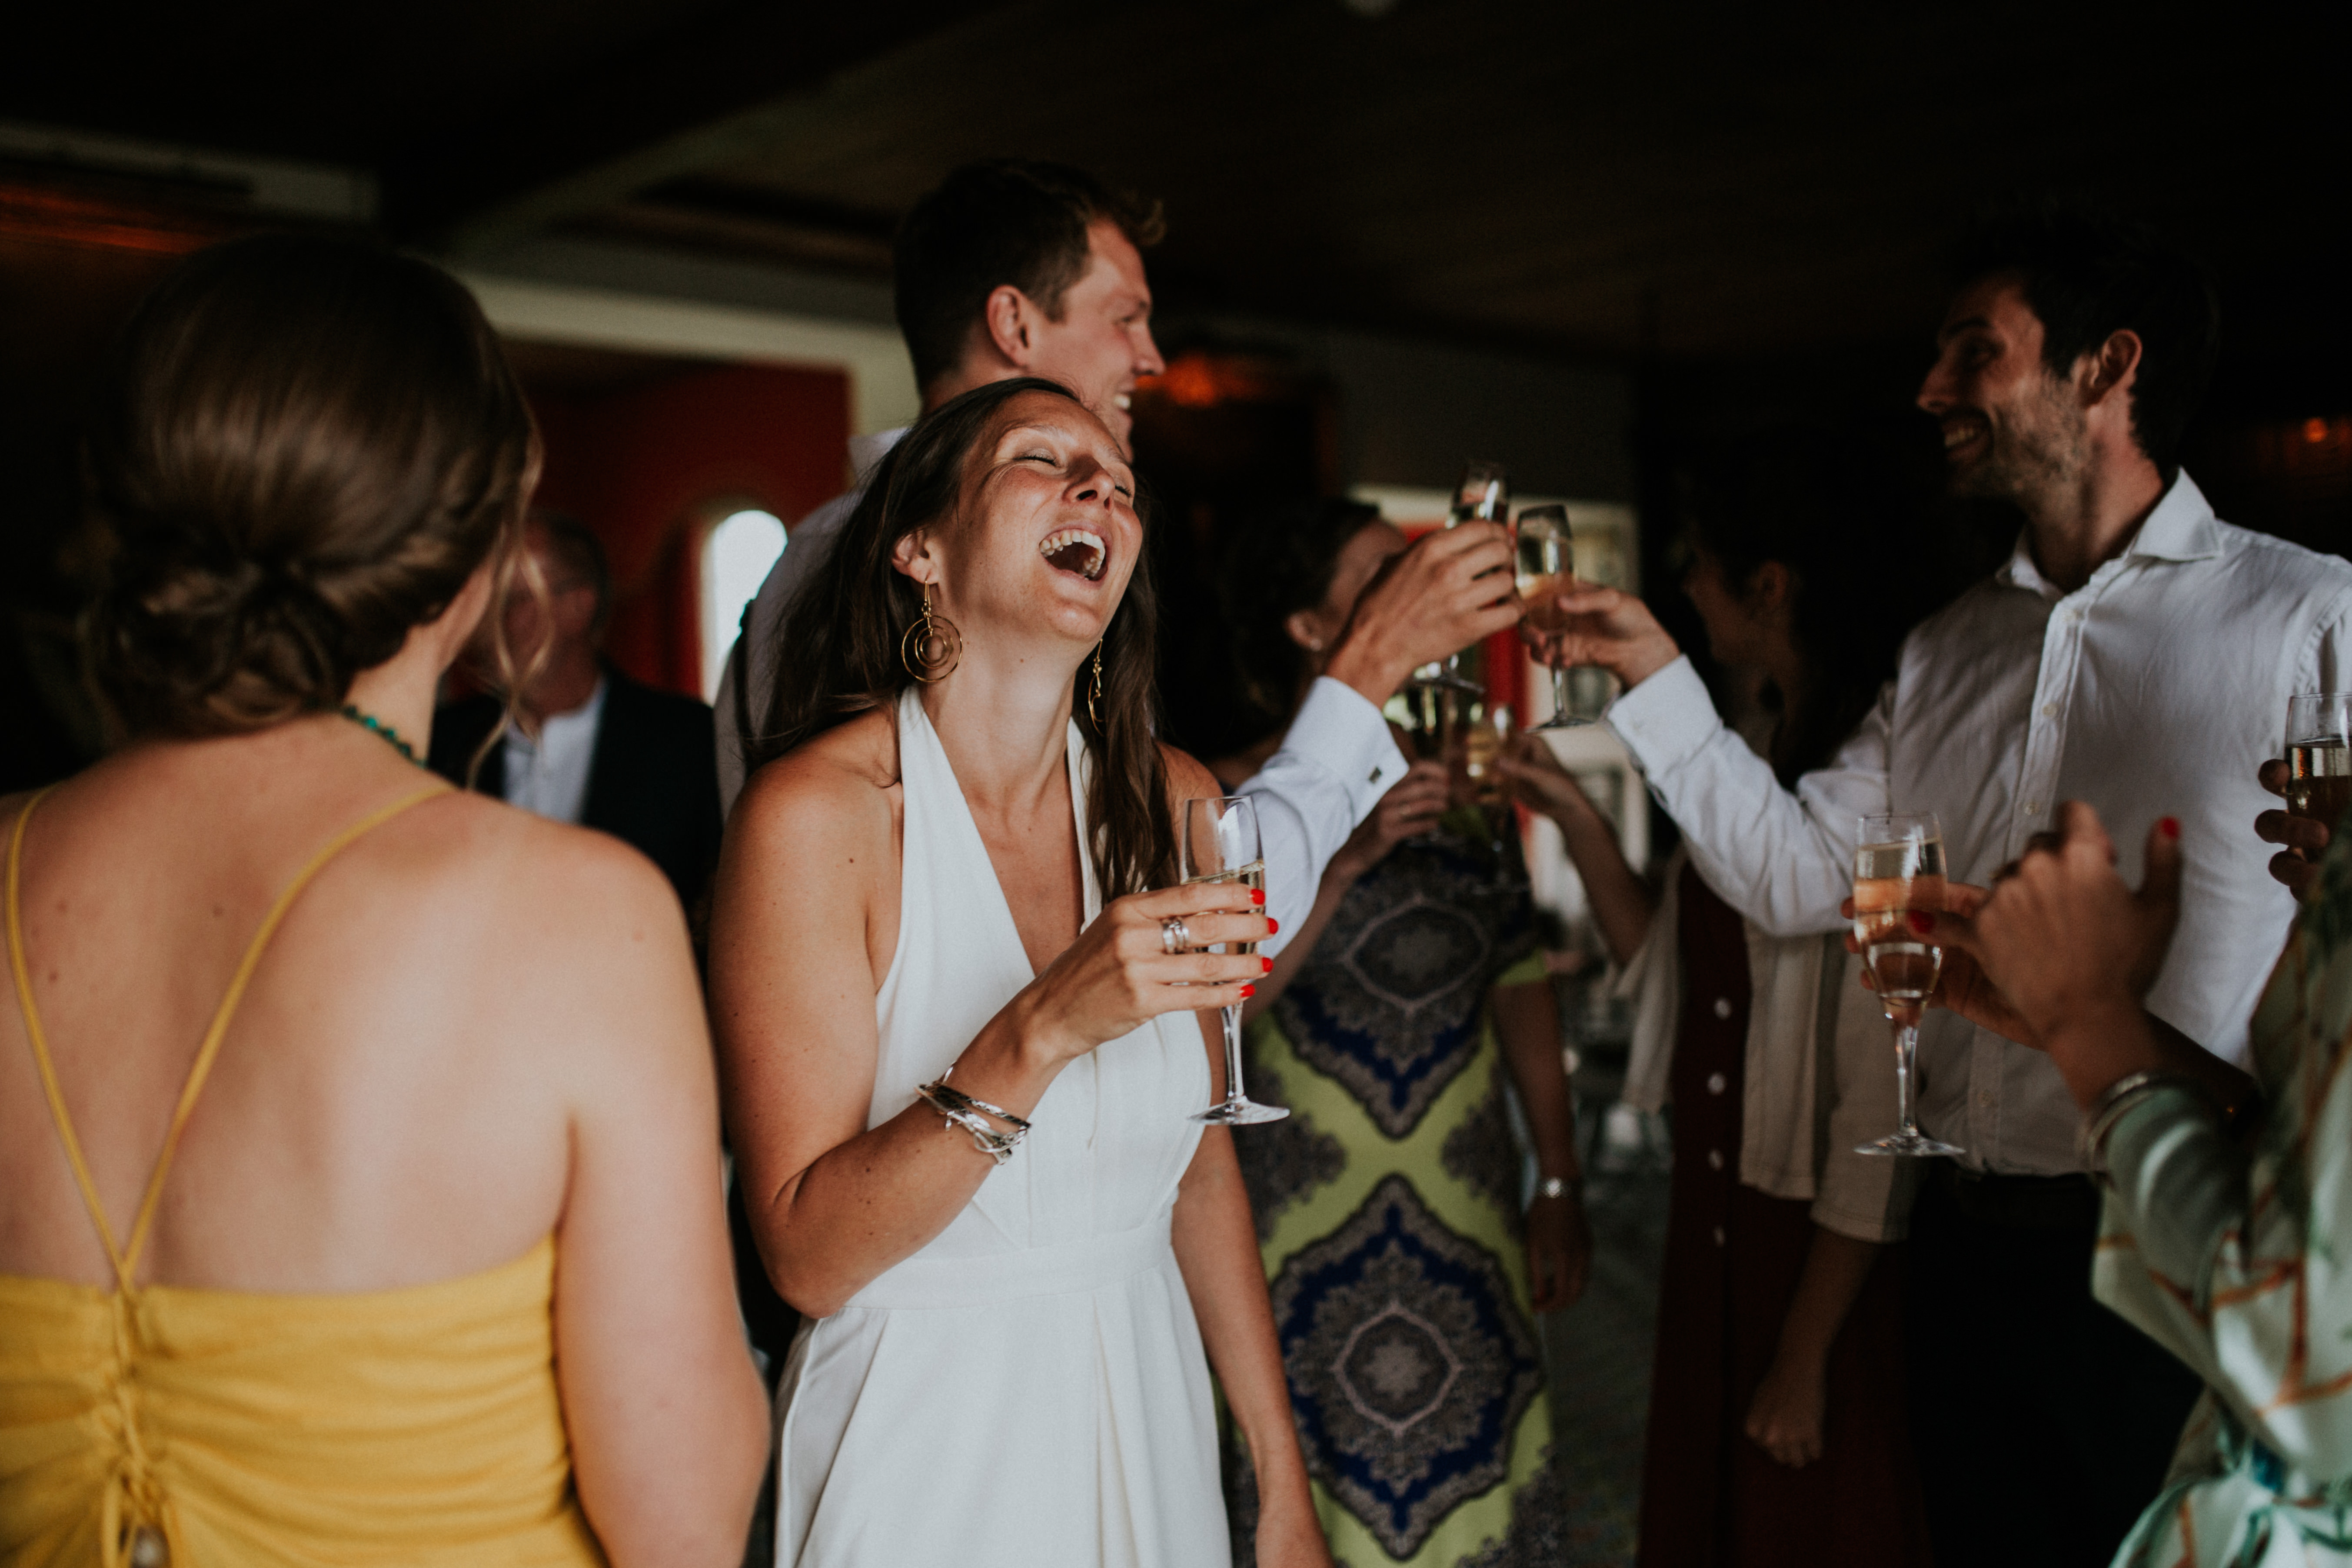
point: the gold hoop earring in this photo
(931, 648)
(1095, 693)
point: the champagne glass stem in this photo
(1558, 693)
(1907, 1060)
(1233, 1022)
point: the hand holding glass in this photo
(1898, 868)
(2319, 755)
(1219, 843)
(1484, 495)
(1544, 556)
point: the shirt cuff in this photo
(1664, 721)
(1338, 728)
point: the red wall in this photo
(642, 466)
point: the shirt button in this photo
(2032, 806)
(1715, 1159)
(1716, 1083)
(1984, 1098)
(2050, 710)
(1718, 1236)
(1723, 1006)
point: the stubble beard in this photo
(2032, 457)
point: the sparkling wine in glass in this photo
(1898, 867)
(1544, 565)
(1220, 843)
(1482, 496)
(2319, 755)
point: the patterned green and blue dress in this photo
(2240, 1262)
(1389, 1216)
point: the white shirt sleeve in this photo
(1784, 862)
(1335, 762)
(805, 548)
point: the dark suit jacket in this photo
(653, 780)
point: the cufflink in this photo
(1374, 777)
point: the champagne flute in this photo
(2319, 755)
(1220, 843)
(1898, 868)
(1544, 558)
(1484, 495)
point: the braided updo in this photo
(306, 447)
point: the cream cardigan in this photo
(1800, 1125)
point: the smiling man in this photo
(2135, 652)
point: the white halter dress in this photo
(1029, 1388)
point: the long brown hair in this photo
(306, 447)
(836, 647)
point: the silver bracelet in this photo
(2119, 1099)
(960, 1110)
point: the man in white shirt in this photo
(1019, 268)
(2135, 652)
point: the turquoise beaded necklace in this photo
(377, 727)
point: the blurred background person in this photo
(588, 746)
(1776, 1430)
(381, 1168)
(1404, 1261)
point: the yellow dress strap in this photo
(126, 1259)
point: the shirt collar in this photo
(2181, 528)
(866, 451)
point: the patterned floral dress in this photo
(1389, 1216)
(2240, 1262)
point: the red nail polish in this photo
(1922, 922)
(1257, 895)
(1272, 925)
(2169, 828)
(1269, 964)
(1251, 990)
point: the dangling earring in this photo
(931, 648)
(1096, 691)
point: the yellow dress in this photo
(153, 1425)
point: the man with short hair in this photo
(594, 747)
(2135, 652)
(1012, 268)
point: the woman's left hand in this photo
(1560, 1250)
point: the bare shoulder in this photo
(579, 886)
(1188, 777)
(837, 789)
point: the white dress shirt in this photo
(1335, 764)
(2156, 688)
(550, 775)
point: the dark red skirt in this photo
(1710, 1496)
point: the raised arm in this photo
(666, 1417)
(1621, 905)
(792, 983)
(1452, 589)
(1785, 861)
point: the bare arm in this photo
(1622, 904)
(666, 1417)
(1785, 1418)
(1559, 1240)
(793, 984)
(1217, 1250)
(1412, 806)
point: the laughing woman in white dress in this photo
(960, 1057)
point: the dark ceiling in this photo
(1572, 178)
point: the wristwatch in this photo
(1559, 1186)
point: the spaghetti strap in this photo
(126, 1258)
